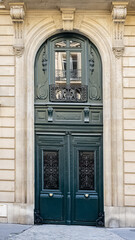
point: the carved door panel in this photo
(69, 179)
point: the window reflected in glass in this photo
(75, 67)
(60, 67)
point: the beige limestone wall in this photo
(7, 116)
(129, 112)
(17, 114)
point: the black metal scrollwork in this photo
(51, 170)
(68, 93)
(86, 170)
(37, 218)
(100, 220)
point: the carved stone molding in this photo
(78, 21)
(68, 18)
(58, 21)
(119, 13)
(17, 13)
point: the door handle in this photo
(86, 195)
(50, 194)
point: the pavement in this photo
(63, 232)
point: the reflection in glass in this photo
(72, 75)
(60, 44)
(60, 66)
(75, 67)
(75, 44)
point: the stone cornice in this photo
(17, 13)
(119, 13)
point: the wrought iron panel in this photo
(51, 169)
(68, 93)
(86, 170)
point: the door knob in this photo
(86, 195)
(50, 194)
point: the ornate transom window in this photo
(66, 75)
(68, 69)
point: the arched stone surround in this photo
(22, 211)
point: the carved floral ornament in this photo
(119, 13)
(17, 13)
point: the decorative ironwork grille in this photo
(51, 169)
(68, 93)
(86, 170)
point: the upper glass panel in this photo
(68, 67)
(60, 67)
(75, 67)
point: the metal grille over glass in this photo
(51, 169)
(86, 170)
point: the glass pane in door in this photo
(86, 170)
(75, 67)
(51, 169)
(60, 67)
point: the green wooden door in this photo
(68, 106)
(69, 184)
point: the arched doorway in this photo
(68, 132)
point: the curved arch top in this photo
(71, 59)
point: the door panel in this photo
(69, 178)
(85, 198)
(50, 158)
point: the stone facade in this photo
(22, 32)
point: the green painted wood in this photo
(69, 115)
(68, 204)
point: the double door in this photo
(69, 178)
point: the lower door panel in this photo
(69, 178)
